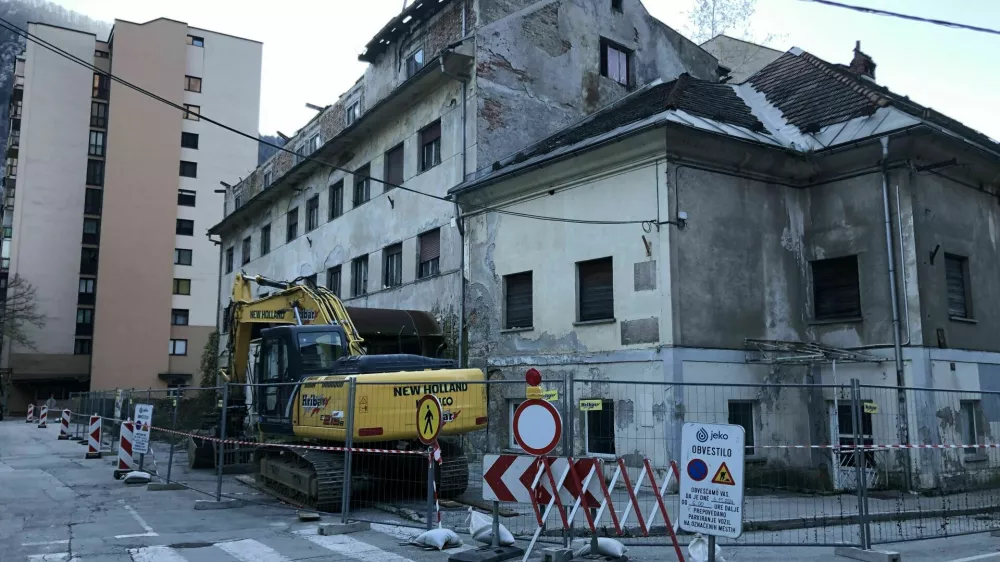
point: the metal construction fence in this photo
(826, 465)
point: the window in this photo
(353, 111)
(84, 321)
(102, 54)
(414, 62)
(518, 301)
(229, 259)
(185, 227)
(189, 140)
(268, 177)
(312, 213)
(957, 276)
(359, 276)
(179, 317)
(192, 112)
(741, 413)
(85, 292)
(96, 147)
(95, 172)
(182, 256)
(836, 291)
(616, 62)
(845, 425)
(102, 85)
(98, 114)
(265, 239)
(186, 197)
(182, 286)
(88, 261)
(292, 227)
(596, 290)
(392, 266)
(189, 169)
(82, 347)
(195, 41)
(430, 146)
(601, 429)
(333, 280)
(92, 202)
(178, 347)
(192, 84)
(336, 203)
(973, 425)
(430, 252)
(394, 167)
(362, 184)
(245, 251)
(91, 231)
(314, 143)
(616, 5)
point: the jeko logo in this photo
(702, 435)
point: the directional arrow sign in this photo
(508, 478)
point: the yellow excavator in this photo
(305, 361)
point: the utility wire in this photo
(878, 12)
(647, 224)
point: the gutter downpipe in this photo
(904, 437)
(459, 219)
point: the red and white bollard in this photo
(125, 450)
(94, 438)
(44, 417)
(64, 425)
(31, 413)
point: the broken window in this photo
(245, 251)
(414, 62)
(596, 290)
(336, 202)
(394, 167)
(836, 289)
(359, 276)
(600, 429)
(88, 261)
(616, 62)
(430, 146)
(741, 414)
(362, 184)
(845, 428)
(957, 275)
(430, 253)
(392, 274)
(312, 213)
(973, 425)
(518, 304)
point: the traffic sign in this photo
(429, 419)
(508, 478)
(140, 435)
(537, 427)
(712, 507)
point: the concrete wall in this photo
(743, 59)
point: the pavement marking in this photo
(142, 523)
(980, 557)
(407, 534)
(155, 554)
(249, 550)
(352, 548)
(45, 543)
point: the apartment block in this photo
(108, 195)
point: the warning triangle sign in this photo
(723, 476)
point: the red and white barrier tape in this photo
(880, 447)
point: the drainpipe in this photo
(904, 437)
(459, 220)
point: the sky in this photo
(311, 47)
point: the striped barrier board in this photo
(64, 425)
(31, 414)
(125, 460)
(94, 438)
(42, 419)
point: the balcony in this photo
(10, 169)
(19, 81)
(15, 109)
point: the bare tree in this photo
(19, 311)
(711, 18)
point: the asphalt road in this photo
(56, 505)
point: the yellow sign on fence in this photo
(539, 393)
(591, 405)
(871, 407)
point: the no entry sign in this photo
(537, 427)
(711, 486)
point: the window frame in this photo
(195, 41)
(519, 276)
(607, 47)
(180, 252)
(432, 142)
(91, 237)
(229, 259)
(179, 283)
(91, 207)
(824, 269)
(952, 261)
(187, 136)
(605, 403)
(335, 200)
(96, 143)
(397, 178)
(334, 273)
(95, 172)
(265, 239)
(190, 82)
(392, 253)
(312, 213)
(102, 86)
(362, 185)
(175, 347)
(88, 255)
(184, 194)
(414, 62)
(352, 113)
(178, 313)
(78, 346)
(291, 224)
(359, 289)
(97, 119)
(182, 227)
(245, 250)
(973, 417)
(581, 317)
(188, 169)
(433, 264)
(750, 433)
(192, 112)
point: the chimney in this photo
(862, 65)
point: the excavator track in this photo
(453, 472)
(311, 479)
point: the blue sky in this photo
(311, 48)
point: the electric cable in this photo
(876, 11)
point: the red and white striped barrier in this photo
(94, 438)
(42, 419)
(31, 414)
(64, 425)
(125, 450)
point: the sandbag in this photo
(481, 529)
(438, 538)
(698, 550)
(605, 547)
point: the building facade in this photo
(797, 228)
(108, 196)
(452, 87)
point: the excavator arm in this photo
(291, 303)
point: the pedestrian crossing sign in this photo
(723, 476)
(429, 419)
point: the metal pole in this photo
(567, 416)
(222, 443)
(142, 456)
(345, 502)
(173, 437)
(858, 459)
(711, 548)
(496, 525)
(430, 489)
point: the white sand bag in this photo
(481, 529)
(698, 550)
(439, 539)
(605, 547)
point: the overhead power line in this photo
(878, 12)
(647, 224)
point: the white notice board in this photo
(140, 435)
(712, 484)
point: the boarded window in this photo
(596, 290)
(430, 253)
(394, 167)
(518, 305)
(956, 270)
(601, 429)
(836, 289)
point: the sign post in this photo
(430, 419)
(712, 483)
(140, 435)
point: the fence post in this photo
(430, 488)
(345, 494)
(173, 437)
(496, 525)
(222, 443)
(142, 456)
(859, 460)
